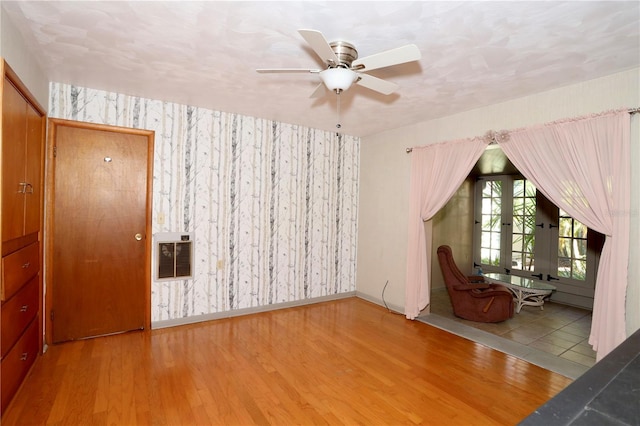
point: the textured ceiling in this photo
(205, 53)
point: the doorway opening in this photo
(559, 332)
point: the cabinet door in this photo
(33, 172)
(14, 132)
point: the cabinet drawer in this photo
(18, 268)
(16, 364)
(17, 313)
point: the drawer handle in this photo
(26, 265)
(24, 308)
(24, 356)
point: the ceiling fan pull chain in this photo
(338, 125)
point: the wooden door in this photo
(100, 251)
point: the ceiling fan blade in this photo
(396, 56)
(320, 45)
(319, 92)
(377, 84)
(282, 70)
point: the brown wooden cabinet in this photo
(22, 129)
(22, 165)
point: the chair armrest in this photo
(476, 279)
(490, 291)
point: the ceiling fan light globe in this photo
(338, 79)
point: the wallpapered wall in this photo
(273, 206)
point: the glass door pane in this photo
(523, 236)
(491, 222)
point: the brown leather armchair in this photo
(471, 297)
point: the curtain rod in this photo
(630, 111)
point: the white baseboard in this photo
(248, 311)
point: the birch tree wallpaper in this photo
(273, 206)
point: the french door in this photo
(519, 231)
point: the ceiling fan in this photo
(344, 68)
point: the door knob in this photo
(138, 237)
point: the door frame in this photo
(53, 124)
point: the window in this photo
(572, 248)
(519, 231)
(523, 234)
(491, 222)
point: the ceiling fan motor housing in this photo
(346, 53)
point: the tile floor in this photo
(558, 330)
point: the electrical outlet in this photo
(220, 264)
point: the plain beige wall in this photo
(385, 168)
(453, 226)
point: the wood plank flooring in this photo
(341, 362)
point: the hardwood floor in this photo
(342, 362)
